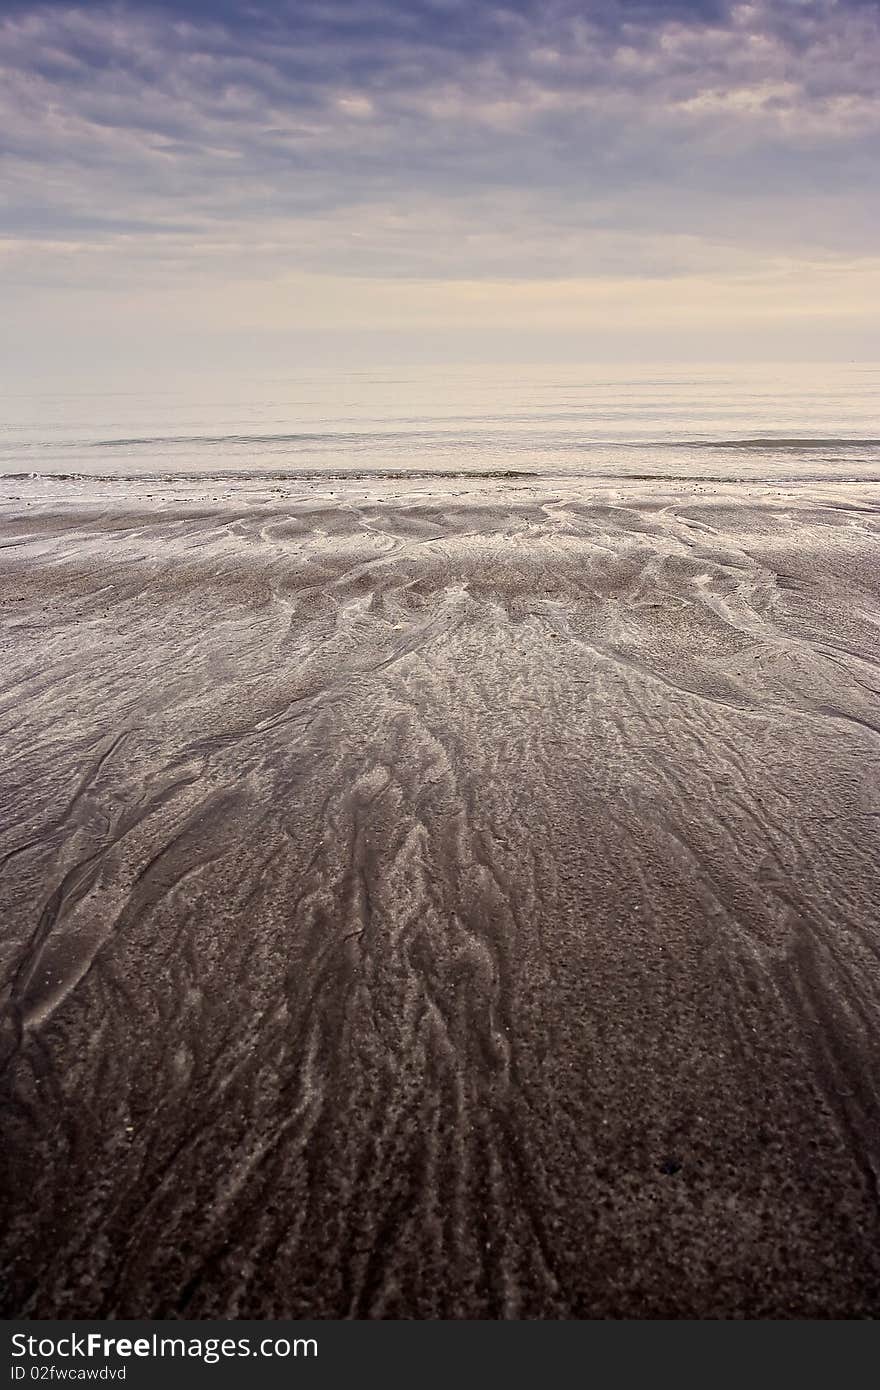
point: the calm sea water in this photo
(779, 422)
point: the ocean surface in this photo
(813, 422)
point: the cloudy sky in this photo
(639, 178)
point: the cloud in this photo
(148, 146)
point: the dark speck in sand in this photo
(671, 1166)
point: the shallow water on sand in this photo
(441, 895)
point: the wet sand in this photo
(440, 900)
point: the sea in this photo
(784, 423)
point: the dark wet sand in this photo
(441, 903)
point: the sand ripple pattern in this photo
(451, 905)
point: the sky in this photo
(233, 183)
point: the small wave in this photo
(320, 437)
(359, 441)
(782, 442)
(311, 475)
(256, 478)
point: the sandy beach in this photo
(440, 898)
